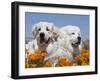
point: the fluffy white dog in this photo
(43, 34)
(68, 44)
(73, 38)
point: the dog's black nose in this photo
(42, 34)
(79, 38)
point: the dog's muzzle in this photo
(42, 35)
(79, 39)
(78, 42)
(42, 38)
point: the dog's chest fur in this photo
(76, 51)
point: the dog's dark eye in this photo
(73, 33)
(47, 29)
(39, 29)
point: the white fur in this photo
(72, 38)
(50, 34)
(59, 41)
(63, 46)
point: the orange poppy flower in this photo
(83, 57)
(33, 65)
(64, 62)
(37, 55)
(26, 65)
(83, 50)
(48, 64)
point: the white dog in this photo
(73, 38)
(43, 34)
(68, 44)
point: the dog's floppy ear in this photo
(34, 31)
(55, 32)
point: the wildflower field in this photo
(36, 60)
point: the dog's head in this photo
(74, 35)
(44, 32)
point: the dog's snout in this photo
(42, 34)
(79, 38)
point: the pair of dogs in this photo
(57, 42)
